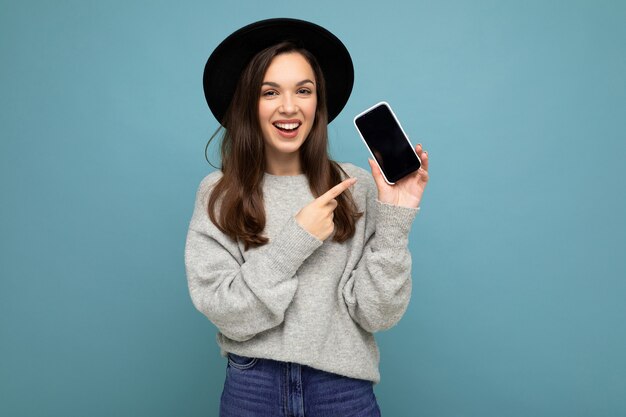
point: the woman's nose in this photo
(288, 106)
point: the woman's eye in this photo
(304, 91)
(269, 93)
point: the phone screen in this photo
(387, 142)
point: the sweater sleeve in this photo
(378, 290)
(242, 297)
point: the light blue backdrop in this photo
(518, 307)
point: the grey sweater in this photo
(298, 299)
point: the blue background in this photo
(518, 307)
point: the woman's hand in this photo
(317, 217)
(408, 191)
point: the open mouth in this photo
(287, 127)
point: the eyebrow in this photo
(275, 85)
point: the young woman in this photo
(295, 258)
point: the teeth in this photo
(287, 126)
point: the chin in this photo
(288, 148)
(283, 145)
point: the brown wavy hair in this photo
(241, 213)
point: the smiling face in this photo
(287, 105)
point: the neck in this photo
(285, 164)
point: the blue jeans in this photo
(257, 387)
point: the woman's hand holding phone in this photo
(317, 217)
(406, 192)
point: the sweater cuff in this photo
(292, 247)
(393, 224)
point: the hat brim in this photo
(225, 65)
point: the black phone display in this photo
(384, 137)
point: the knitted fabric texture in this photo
(299, 299)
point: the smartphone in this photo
(384, 137)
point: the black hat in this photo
(227, 62)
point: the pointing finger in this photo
(336, 190)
